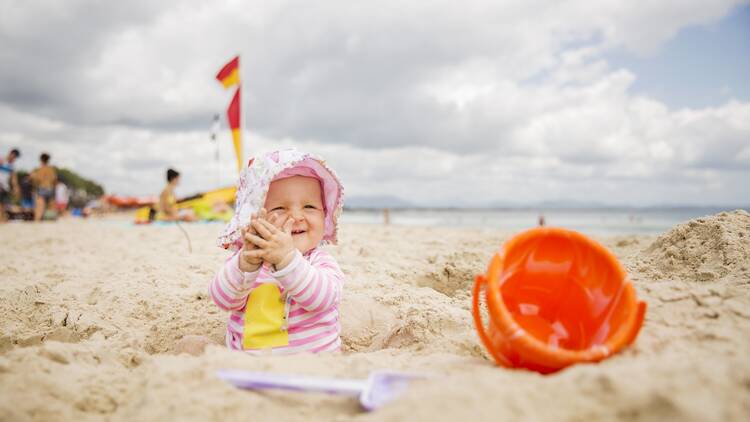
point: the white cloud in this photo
(435, 102)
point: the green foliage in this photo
(74, 181)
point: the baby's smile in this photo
(295, 232)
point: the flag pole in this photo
(215, 128)
(240, 120)
(240, 158)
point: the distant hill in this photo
(569, 204)
(593, 205)
(394, 202)
(384, 201)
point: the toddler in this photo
(282, 289)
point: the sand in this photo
(101, 319)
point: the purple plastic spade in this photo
(378, 389)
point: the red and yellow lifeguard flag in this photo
(229, 75)
(233, 116)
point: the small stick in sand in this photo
(190, 246)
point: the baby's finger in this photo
(278, 221)
(261, 227)
(248, 241)
(257, 240)
(254, 254)
(269, 227)
(287, 226)
(250, 220)
(262, 213)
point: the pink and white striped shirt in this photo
(313, 281)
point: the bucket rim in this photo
(537, 351)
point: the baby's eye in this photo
(311, 206)
(277, 209)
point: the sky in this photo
(437, 103)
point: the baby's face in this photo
(300, 198)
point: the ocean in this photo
(595, 221)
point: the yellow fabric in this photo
(142, 215)
(265, 318)
(205, 211)
(232, 79)
(169, 200)
(167, 204)
(236, 137)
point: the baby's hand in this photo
(276, 220)
(276, 242)
(251, 257)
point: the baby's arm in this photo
(230, 286)
(314, 285)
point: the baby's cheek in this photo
(314, 215)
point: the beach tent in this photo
(204, 205)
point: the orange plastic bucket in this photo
(555, 297)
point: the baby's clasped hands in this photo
(269, 240)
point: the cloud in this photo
(433, 101)
(48, 47)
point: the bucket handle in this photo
(636, 327)
(479, 281)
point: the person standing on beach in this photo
(8, 181)
(281, 287)
(44, 179)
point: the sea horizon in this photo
(592, 221)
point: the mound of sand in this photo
(704, 249)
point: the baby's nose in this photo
(296, 215)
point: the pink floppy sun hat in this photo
(256, 178)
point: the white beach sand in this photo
(91, 313)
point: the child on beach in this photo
(282, 289)
(61, 197)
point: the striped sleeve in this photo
(230, 286)
(314, 285)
